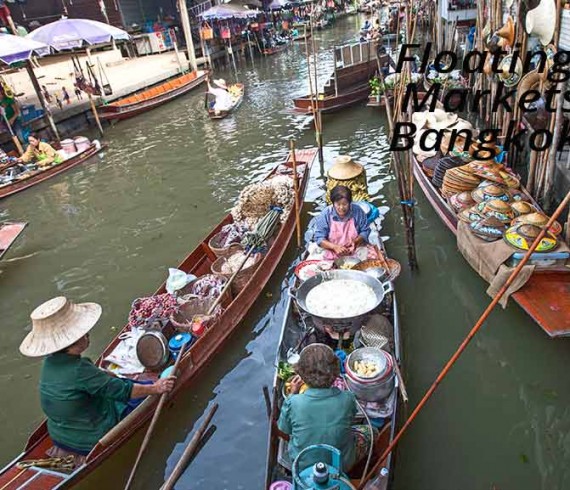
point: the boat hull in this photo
(50, 172)
(200, 354)
(224, 114)
(546, 295)
(9, 233)
(332, 103)
(119, 110)
(275, 50)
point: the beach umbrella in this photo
(15, 49)
(228, 11)
(74, 33)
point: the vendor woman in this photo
(323, 414)
(42, 153)
(343, 227)
(81, 401)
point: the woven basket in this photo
(214, 245)
(394, 267)
(192, 306)
(243, 276)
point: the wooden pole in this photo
(154, 420)
(94, 110)
(15, 139)
(296, 189)
(189, 451)
(39, 93)
(318, 113)
(185, 19)
(465, 343)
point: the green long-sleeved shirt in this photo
(81, 401)
(320, 416)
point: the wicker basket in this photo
(243, 276)
(214, 245)
(394, 267)
(194, 305)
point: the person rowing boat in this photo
(223, 100)
(81, 402)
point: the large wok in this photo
(351, 324)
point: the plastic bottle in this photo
(379, 482)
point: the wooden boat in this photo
(302, 37)
(546, 295)
(348, 85)
(33, 177)
(237, 102)
(294, 336)
(200, 353)
(9, 233)
(275, 49)
(153, 97)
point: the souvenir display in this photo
(522, 236)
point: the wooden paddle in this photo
(296, 189)
(189, 451)
(154, 420)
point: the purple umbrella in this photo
(73, 33)
(228, 11)
(15, 48)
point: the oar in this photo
(296, 189)
(189, 451)
(154, 420)
(465, 342)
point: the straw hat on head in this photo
(57, 324)
(541, 21)
(344, 168)
(220, 82)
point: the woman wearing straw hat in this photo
(81, 401)
(323, 414)
(343, 227)
(223, 98)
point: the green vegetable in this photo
(285, 370)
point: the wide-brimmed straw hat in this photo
(439, 119)
(220, 82)
(344, 168)
(57, 324)
(541, 21)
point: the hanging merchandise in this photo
(80, 80)
(107, 89)
(206, 32)
(93, 79)
(8, 91)
(225, 32)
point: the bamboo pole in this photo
(296, 189)
(465, 343)
(318, 113)
(189, 451)
(155, 417)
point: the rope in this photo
(65, 463)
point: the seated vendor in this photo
(322, 414)
(42, 153)
(223, 100)
(342, 228)
(81, 402)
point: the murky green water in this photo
(108, 231)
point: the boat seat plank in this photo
(546, 298)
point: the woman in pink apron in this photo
(342, 229)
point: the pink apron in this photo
(344, 233)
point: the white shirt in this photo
(223, 99)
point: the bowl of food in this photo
(347, 262)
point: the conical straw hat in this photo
(541, 21)
(57, 324)
(345, 168)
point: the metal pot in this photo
(373, 389)
(152, 350)
(351, 324)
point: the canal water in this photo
(108, 231)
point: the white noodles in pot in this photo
(340, 298)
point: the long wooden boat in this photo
(153, 97)
(355, 64)
(199, 354)
(302, 37)
(294, 336)
(34, 177)
(237, 102)
(9, 233)
(546, 295)
(275, 49)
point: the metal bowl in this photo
(347, 262)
